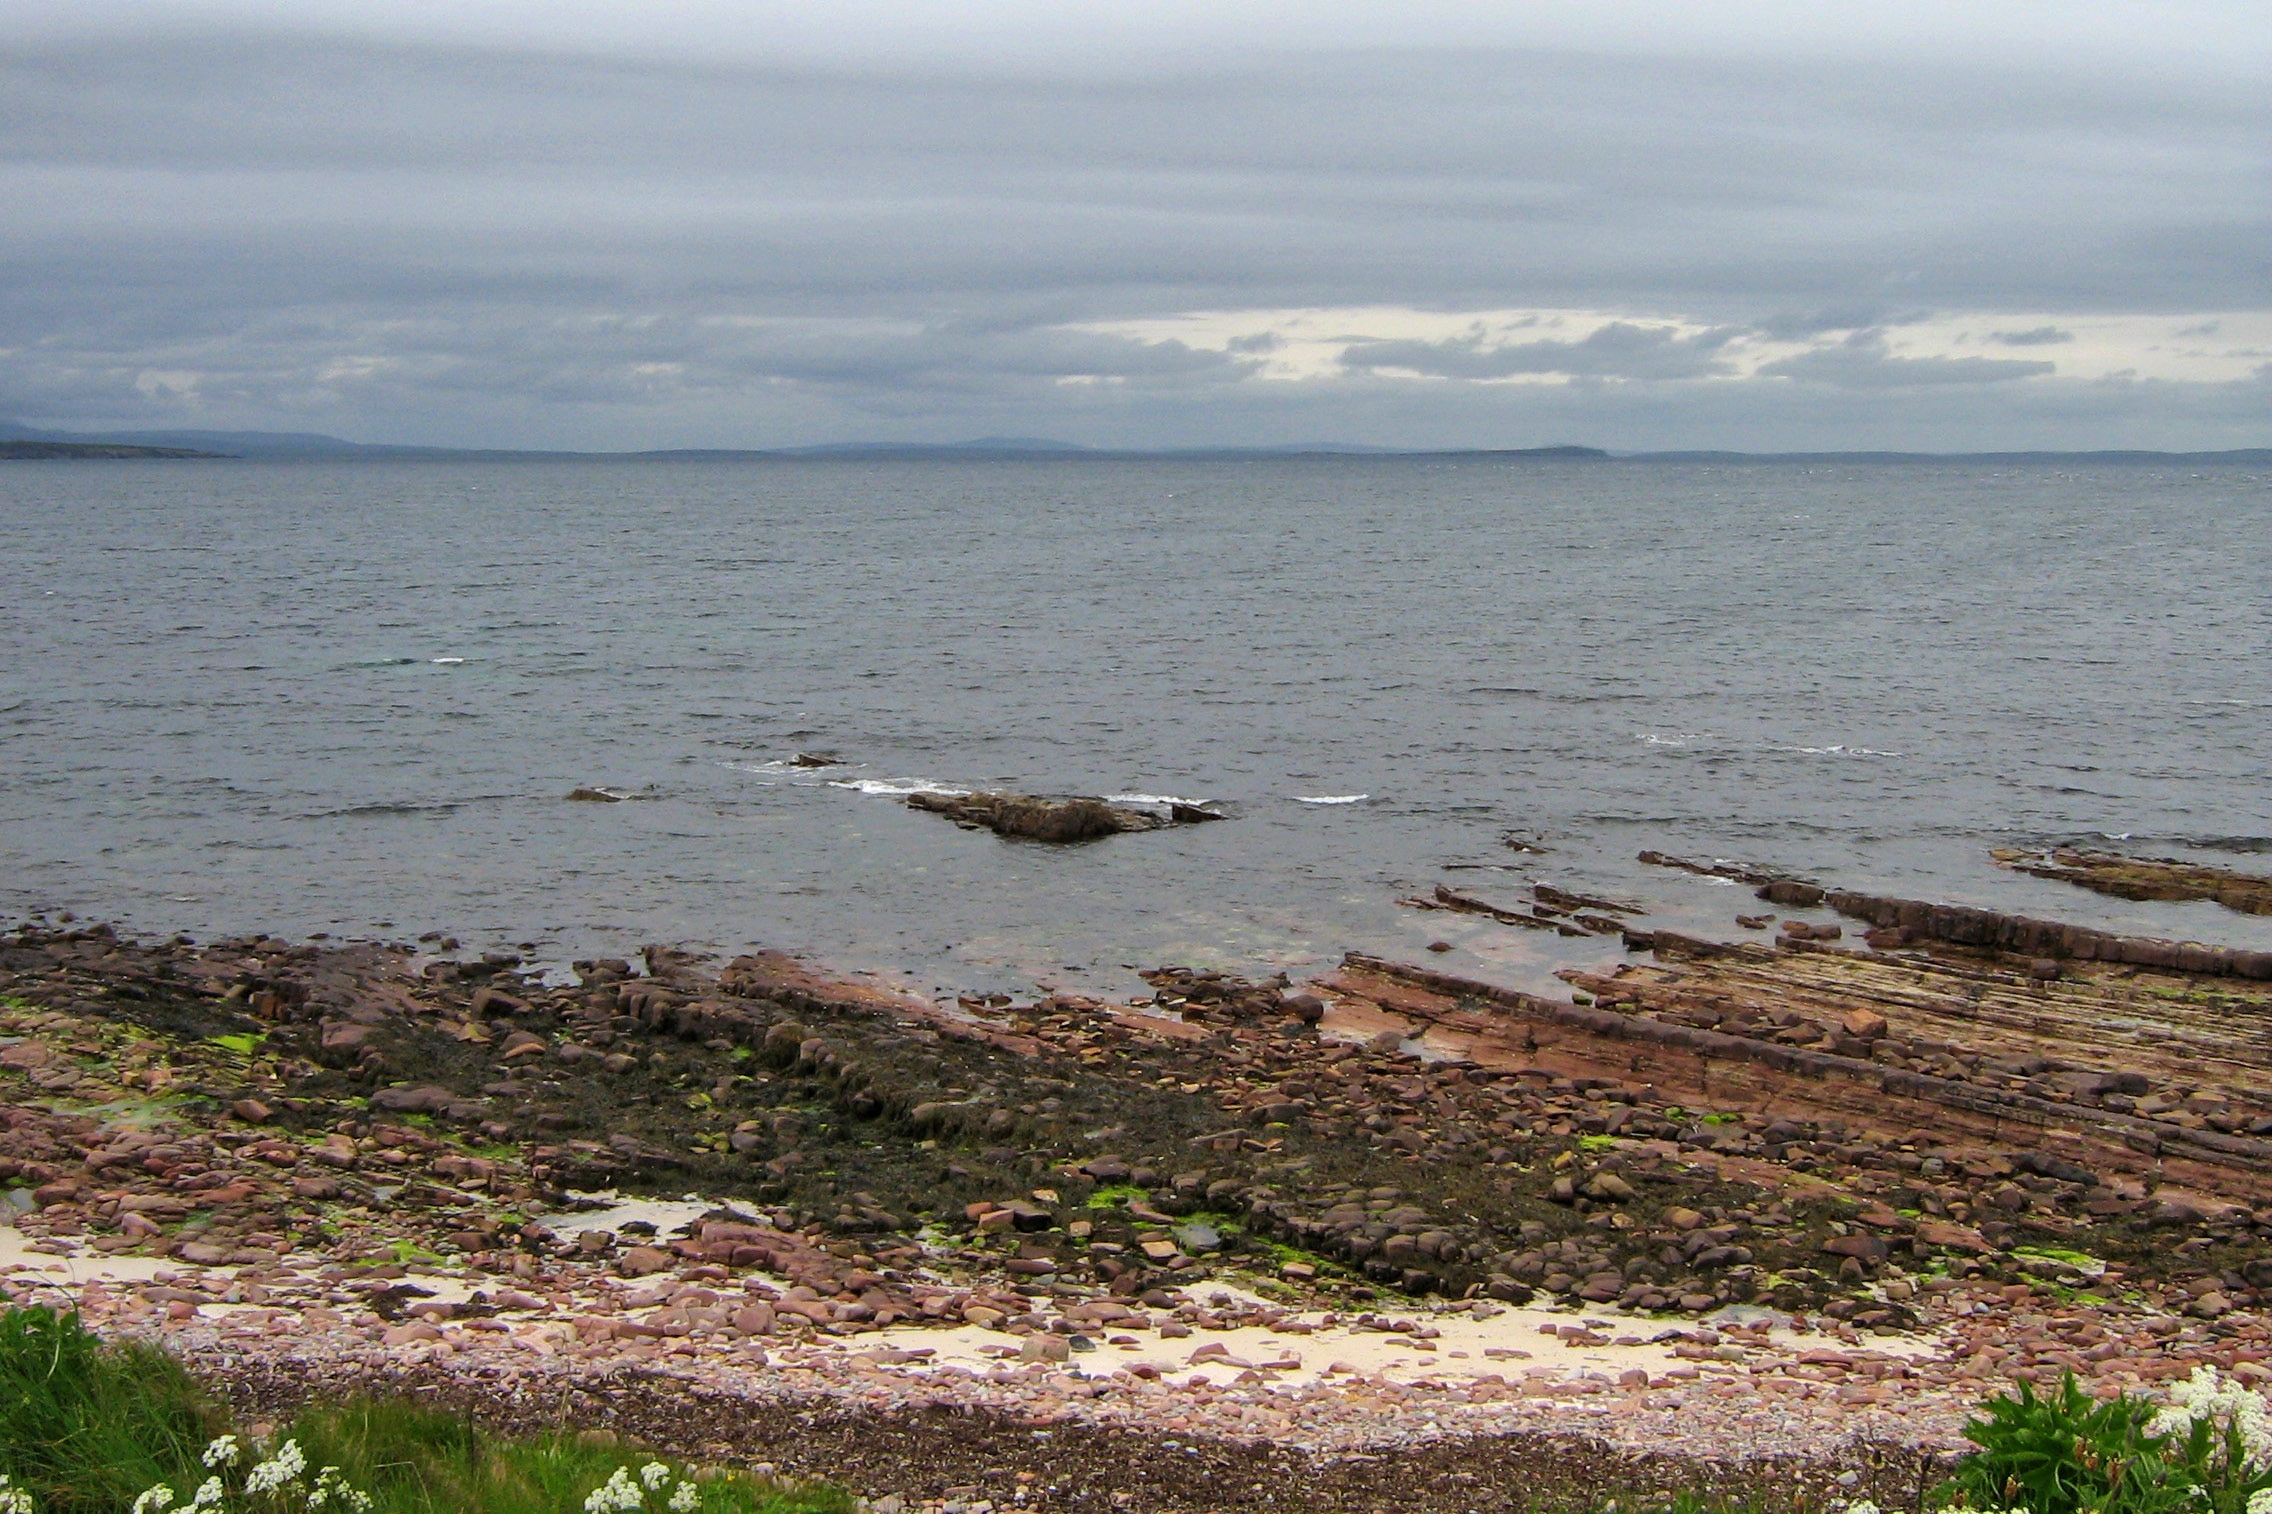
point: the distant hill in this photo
(991, 446)
(24, 452)
(245, 444)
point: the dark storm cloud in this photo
(434, 240)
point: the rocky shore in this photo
(1770, 1212)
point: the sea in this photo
(350, 699)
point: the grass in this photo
(87, 1426)
(413, 1459)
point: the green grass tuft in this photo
(87, 1426)
(413, 1459)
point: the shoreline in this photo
(1171, 1252)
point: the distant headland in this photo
(37, 451)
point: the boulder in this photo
(344, 1037)
(1863, 1024)
(1028, 1216)
(1030, 818)
(415, 1098)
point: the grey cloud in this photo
(1862, 361)
(1618, 350)
(411, 241)
(585, 360)
(1792, 326)
(2034, 336)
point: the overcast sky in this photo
(1974, 225)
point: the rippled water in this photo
(351, 697)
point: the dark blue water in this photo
(351, 697)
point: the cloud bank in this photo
(739, 227)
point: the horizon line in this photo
(283, 445)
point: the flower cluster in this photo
(276, 1482)
(622, 1494)
(282, 1468)
(2206, 1397)
(14, 1500)
(618, 1495)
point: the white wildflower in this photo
(2205, 1396)
(14, 1500)
(208, 1495)
(618, 1495)
(333, 1490)
(282, 1468)
(687, 1498)
(161, 1498)
(222, 1452)
(654, 1475)
(1865, 1506)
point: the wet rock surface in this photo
(1816, 1188)
(2127, 877)
(1029, 818)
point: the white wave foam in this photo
(887, 786)
(1837, 751)
(445, 662)
(1330, 798)
(1148, 799)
